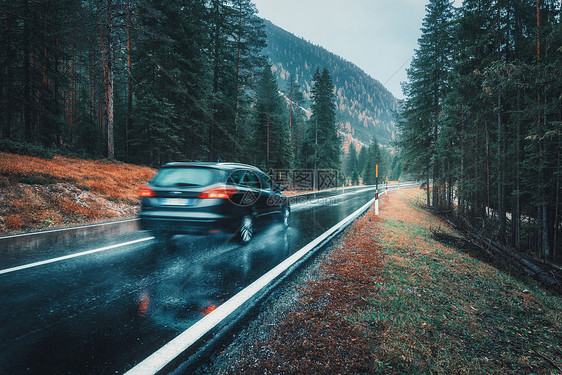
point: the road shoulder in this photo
(401, 293)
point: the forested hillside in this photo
(364, 107)
(483, 118)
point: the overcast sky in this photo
(379, 36)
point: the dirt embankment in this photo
(38, 194)
(391, 296)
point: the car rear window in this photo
(185, 177)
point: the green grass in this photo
(442, 309)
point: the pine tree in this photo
(157, 128)
(496, 148)
(272, 146)
(322, 145)
(237, 38)
(396, 169)
(420, 121)
(297, 120)
(361, 160)
(173, 67)
(351, 164)
(374, 158)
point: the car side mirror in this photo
(279, 188)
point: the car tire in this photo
(246, 231)
(286, 216)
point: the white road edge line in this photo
(159, 359)
(36, 264)
(49, 231)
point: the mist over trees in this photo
(482, 118)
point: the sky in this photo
(379, 36)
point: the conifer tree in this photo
(374, 158)
(272, 146)
(322, 145)
(297, 120)
(351, 164)
(420, 121)
(361, 160)
(237, 38)
(496, 149)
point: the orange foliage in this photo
(13, 222)
(68, 207)
(37, 193)
(317, 336)
(111, 179)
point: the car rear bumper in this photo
(186, 226)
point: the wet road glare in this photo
(103, 313)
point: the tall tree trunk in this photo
(543, 218)
(129, 120)
(110, 140)
(216, 72)
(72, 89)
(435, 168)
(238, 70)
(500, 178)
(7, 85)
(102, 113)
(460, 191)
(557, 199)
(516, 214)
(58, 135)
(487, 161)
(427, 190)
(27, 73)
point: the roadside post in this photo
(377, 189)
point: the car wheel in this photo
(286, 216)
(246, 231)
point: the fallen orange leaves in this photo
(320, 335)
(38, 193)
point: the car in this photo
(204, 198)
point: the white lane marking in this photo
(36, 264)
(67, 229)
(159, 359)
(323, 200)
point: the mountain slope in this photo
(364, 107)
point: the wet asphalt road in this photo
(102, 313)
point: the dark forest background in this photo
(147, 82)
(483, 114)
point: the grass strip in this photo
(441, 309)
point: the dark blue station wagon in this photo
(204, 198)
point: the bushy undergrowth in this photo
(24, 148)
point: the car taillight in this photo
(146, 192)
(218, 193)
